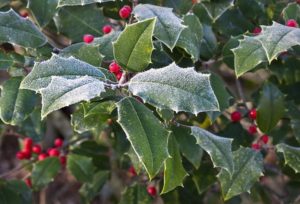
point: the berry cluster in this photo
(115, 69)
(35, 152)
(236, 116)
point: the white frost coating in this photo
(216, 9)
(278, 38)
(175, 88)
(62, 3)
(63, 92)
(168, 26)
(21, 31)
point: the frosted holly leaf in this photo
(216, 8)
(248, 167)
(134, 46)
(18, 30)
(62, 3)
(248, 55)
(62, 92)
(147, 136)
(168, 26)
(57, 66)
(278, 38)
(174, 172)
(291, 155)
(218, 148)
(175, 88)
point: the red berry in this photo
(119, 75)
(20, 155)
(151, 190)
(54, 152)
(292, 23)
(256, 30)
(24, 13)
(58, 142)
(42, 156)
(26, 153)
(106, 29)
(298, 1)
(132, 171)
(252, 114)
(114, 68)
(109, 121)
(37, 149)
(27, 143)
(87, 38)
(125, 12)
(28, 182)
(63, 160)
(252, 129)
(264, 139)
(255, 146)
(236, 116)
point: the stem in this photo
(240, 90)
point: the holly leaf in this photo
(174, 172)
(218, 148)
(291, 155)
(62, 3)
(209, 42)
(21, 31)
(191, 37)
(7, 60)
(147, 136)
(136, 194)
(85, 52)
(187, 145)
(175, 88)
(291, 11)
(81, 167)
(168, 26)
(248, 55)
(294, 114)
(68, 68)
(42, 11)
(44, 171)
(75, 21)
(134, 46)
(216, 8)
(105, 44)
(270, 108)
(15, 104)
(248, 167)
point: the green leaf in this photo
(191, 37)
(91, 190)
(168, 26)
(42, 11)
(44, 171)
(248, 167)
(294, 114)
(270, 108)
(179, 6)
(8, 195)
(81, 167)
(228, 56)
(76, 21)
(85, 52)
(291, 11)
(134, 46)
(175, 88)
(216, 8)
(218, 148)
(62, 92)
(209, 42)
(174, 172)
(69, 68)
(278, 38)
(22, 190)
(204, 177)
(8, 60)
(105, 44)
(62, 3)
(291, 155)
(15, 104)
(17, 30)
(248, 55)
(136, 194)
(187, 144)
(147, 136)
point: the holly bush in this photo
(173, 101)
